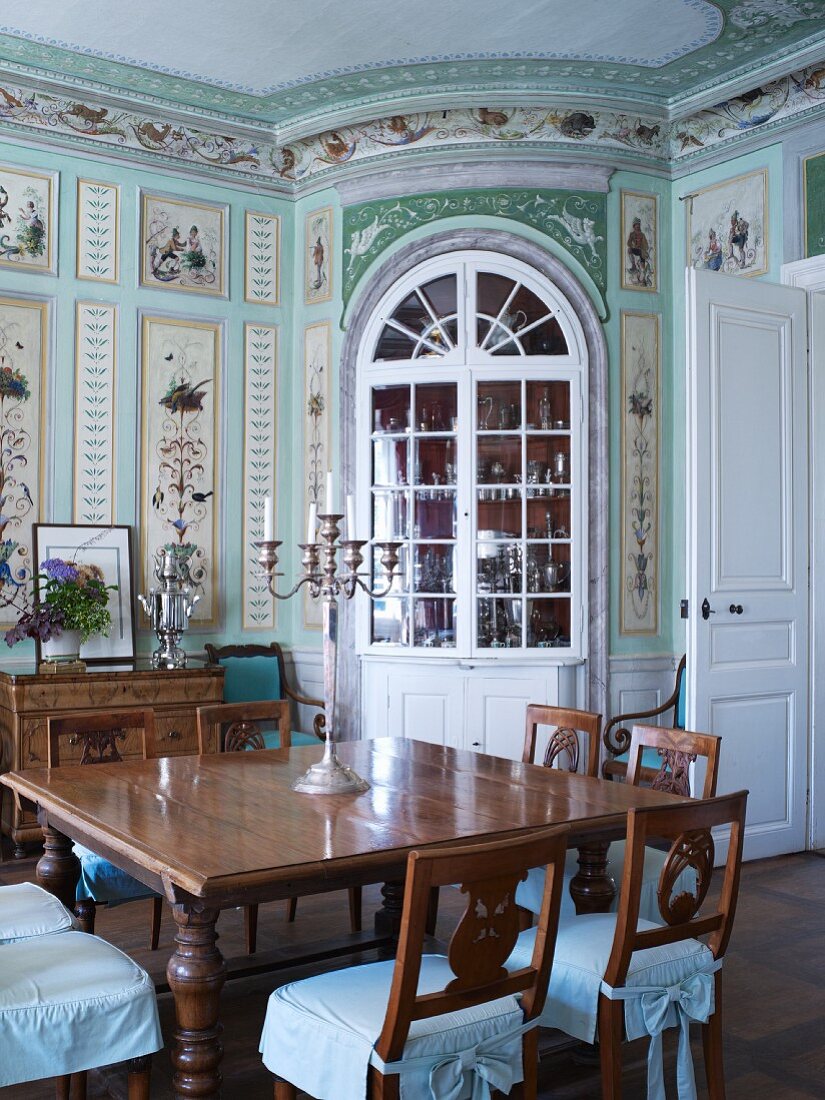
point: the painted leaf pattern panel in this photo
(95, 353)
(181, 368)
(261, 274)
(260, 418)
(98, 231)
(317, 457)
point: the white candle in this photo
(350, 516)
(329, 497)
(312, 519)
(269, 525)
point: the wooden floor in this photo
(774, 991)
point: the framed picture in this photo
(318, 257)
(641, 368)
(181, 367)
(98, 231)
(28, 219)
(183, 245)
(640, 241)
(727, 225)
(262, 233)
(813, 195)
(109, 548)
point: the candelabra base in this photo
(330, 776)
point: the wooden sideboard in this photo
(28, 698)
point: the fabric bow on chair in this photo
(651, 1009)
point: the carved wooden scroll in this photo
(692, 849)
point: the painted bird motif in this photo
(157, 498)
(185, 396)
(201, 497)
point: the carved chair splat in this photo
(101, 735)
(564, 742)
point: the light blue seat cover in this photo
(101, 881)
(70, 1003)
(529, 893)
(319, 1034)
(664, 986)
(251, 679)
(28, 910)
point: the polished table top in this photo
(218, 827)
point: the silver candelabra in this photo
(320, 574)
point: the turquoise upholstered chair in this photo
(675, 751)
(619, 976)
(94, 737)
(616, 736)
(239, 727)
(27, 910)
(70, 1003)
(254, 673)
(428, 1027)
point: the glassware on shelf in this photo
(499, 623)
(545, 410)
(485, 408)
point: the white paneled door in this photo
(747, 546)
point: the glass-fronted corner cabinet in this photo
(473, 453)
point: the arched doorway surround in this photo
(552, 269)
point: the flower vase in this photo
(62, 649)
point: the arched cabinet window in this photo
(472, 390)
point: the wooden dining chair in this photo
(619, 975)
(676, 750)
(96, 737)
(70, 1003)
(438, 1021)
(238, 727)
(617, 732)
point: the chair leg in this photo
(250, 919)
(140, 1070)
(355, 895)
(154, 933)
(84, 910)
(291, 909)
(63, 1087)
(610, 1047)
(530, 1062)
(380, 1087)
(432, 912)
(712, 1046)
(78, 1086)
(284, 1090)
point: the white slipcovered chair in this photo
(616, 974)
(428, 1027)
(72, 1002)
(27, 910)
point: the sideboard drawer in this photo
(176, 733)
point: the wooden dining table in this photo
(218, 831)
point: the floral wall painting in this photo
(183, 245)
(318, 257)
(98, 231)
(95, 362)
(727, 225)
(261, 261)
(180, 372)
(640, 241)
(260, 450)
(317, 457)
(640, 473)
(24, 329)
(28, 219)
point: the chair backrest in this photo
(564, 741)
(616, 736)
(253, 672)
(688, 827)
(485, 935)
(233, 727)
(678, 749)
(98, 734)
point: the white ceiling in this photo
(258, 46)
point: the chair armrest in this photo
(616, 736)
(305, 699)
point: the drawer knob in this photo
(173, 735)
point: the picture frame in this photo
(97, 214)
(813, 204)
(28, 216)
(261, 265)
(110, 547)
(183, 245)
(640, 241)
(318, 256)
(727, 225)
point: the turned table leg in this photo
(58, 869)
(591, 888)
(196, 973)
(388, 917)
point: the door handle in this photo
(736, 609)
(707, 610)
